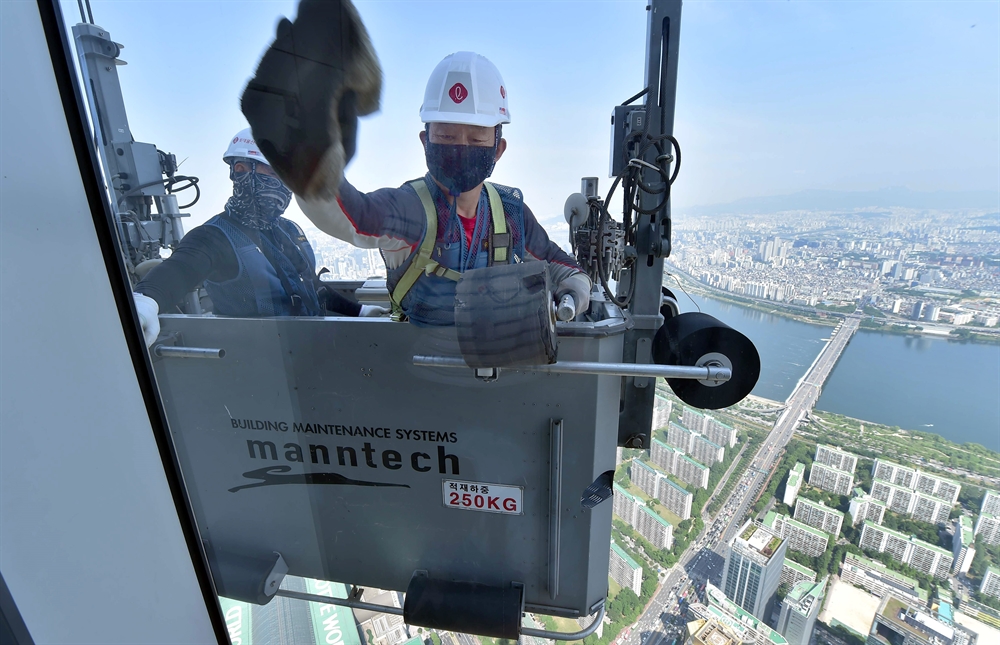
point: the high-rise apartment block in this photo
(792, 572)
(717, 431)
(645, 477)
(662, 455)
(752, 571)
(831, 479)
(678, 464)
(675, 499)
(938, 487)
(748, 629)
(894, 473)
(880, 580)
(706, 451)
(691, 472)
(799, 611)
(898, 499)
(819, 515)
(694, 419)
(923, 483)
(645, 521)
(963, 545)
(656, 530)
(989, 527)
(720, 433)
(799, 537)
(625, 505)
(836, 458)
(899, 622)
(700, 447)
(925, 558)
(991, 503)
(661, 412)
(794, 483)
(865, 507)
(680, 437)
(990, 585)
(624, 570)
(907, 501)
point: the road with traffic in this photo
(703, 561)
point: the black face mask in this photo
(459, 168)
(258, 200)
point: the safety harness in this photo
(498, 244)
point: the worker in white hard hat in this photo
(252, 261)
(430, 230)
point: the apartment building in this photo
(879, 580)
(656, 530)
(792, 572)
(794, 483)
(963, 545)
(836, 458)
(624, 570)
(800, 537)
(819, 515)
(625, 505)
(831, 479)
(865, 507)
(675, 498)
(926, 558)
(989, 527)
(706, 451)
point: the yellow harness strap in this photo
(499, 243)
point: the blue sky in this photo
(773, 97)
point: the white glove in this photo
(577, 285)
(372, 311)
(148, 310)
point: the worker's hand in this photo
(148, 311)
(373, 311)
(302, 104)
(577, 285)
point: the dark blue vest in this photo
(268, 282)
(431, 300)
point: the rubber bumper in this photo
(504, 316)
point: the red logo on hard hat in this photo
(458, 93)
(503, 92)
(235, 139)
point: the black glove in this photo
(320, 65)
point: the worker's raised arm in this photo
(368, 220)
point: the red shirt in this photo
(469, 224)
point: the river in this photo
(916, 383)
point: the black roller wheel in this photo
(697, 339)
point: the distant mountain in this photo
(827, 200)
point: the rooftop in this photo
(656, 517)
(624, 556)
(795, 566)
(725, 607)
(624, 493)
(805, 594)
(820, 505)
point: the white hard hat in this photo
(244, 147)
(465, 88)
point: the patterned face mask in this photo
(258, 200)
